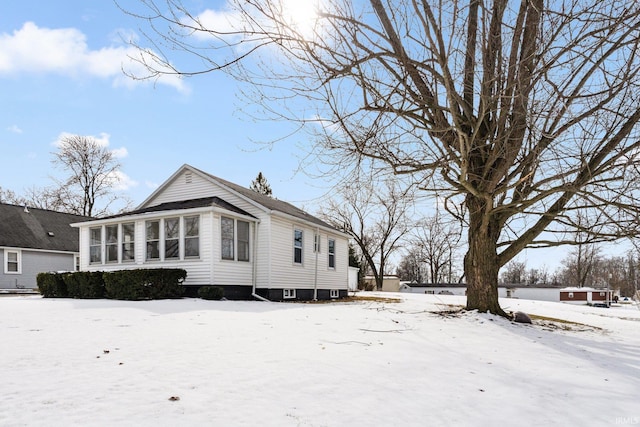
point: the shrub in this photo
(142, 284)
(51, 285)
(211, 292)
(85, 284)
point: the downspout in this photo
(254, 269)
(316, 247)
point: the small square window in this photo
(570, 294)
(289, 293)
(334, 293)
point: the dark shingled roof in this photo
(38, 229)
(187, 204)
(269, 202)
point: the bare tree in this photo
(376, 217)
(514, 272)
(526, 112)
(260, 185)
(438, 241)
(10, 197)
(410, 267)
(92, 173)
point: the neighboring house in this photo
(390, 283)
(533, 292)
(225, 235)
(34, 241)
(586, 295)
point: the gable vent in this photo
(188, 179)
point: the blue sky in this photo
(60, 72)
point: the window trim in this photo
(165, 239)
(235, 240)
(98, 245)
(186, 237)
(317, 243)
(232, 239)
(331, 254)
(122, 243)
(18, 261)
(288, 293)
(147, 240)
(246, 242)
(108, 244)
(334, 293)
(297, 247)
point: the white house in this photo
(33, 241)
(225, 235)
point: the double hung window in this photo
(297, 246)
(332, 253)
(234, 237)
(12, 262)
(95, 245)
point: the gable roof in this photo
(266, 203)
(33, 228)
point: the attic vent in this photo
(50, 233)
(188, 178)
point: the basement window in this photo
(334, 293)
(289, 293)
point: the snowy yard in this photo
(192, 362)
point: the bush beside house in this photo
(139, 284)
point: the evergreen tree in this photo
(260, 185)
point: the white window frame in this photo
(246, 243)
(297, 247)
(99, 245)
(122, 242)
(192, 237)
(331, 254)
(570, 294)
(166, 239)
(159, 240)
(18, 261)
(288, 293)
(334, 293)
(107, 244)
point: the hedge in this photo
(141, 284)
(52, 285)
(85, 284)
(138, 284)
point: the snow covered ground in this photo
(192, 362)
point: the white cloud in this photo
(120, 153)
(122, 182)
(14, 129)
(152, 185)
(64, 51)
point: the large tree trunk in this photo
(481, 264)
